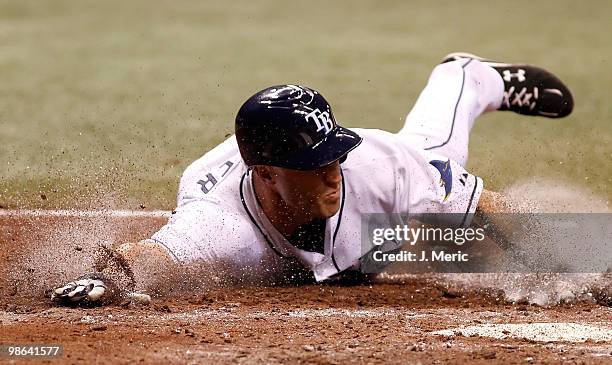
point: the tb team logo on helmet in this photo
(321, 119)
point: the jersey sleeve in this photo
(215, 238)
(443, 190)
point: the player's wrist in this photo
(113, 265)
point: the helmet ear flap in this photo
(343, 158)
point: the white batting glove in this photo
(88, 289)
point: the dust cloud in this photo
(544, 245)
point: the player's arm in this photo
(121, 273)
(494, 213)
(492, 202)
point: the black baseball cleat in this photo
(528, 90)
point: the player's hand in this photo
(88, 289)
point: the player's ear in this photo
(265, 173)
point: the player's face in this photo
(314, 193)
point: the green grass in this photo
(106, 102)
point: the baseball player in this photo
(286, 193)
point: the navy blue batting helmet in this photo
(291, 126)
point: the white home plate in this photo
(571, 332)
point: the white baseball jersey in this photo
(218, 218)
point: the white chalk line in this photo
(73, 213)
(544, 331)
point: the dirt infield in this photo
(413, 319)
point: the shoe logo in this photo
(321, 119)
(520, 75)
